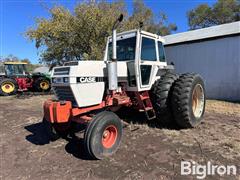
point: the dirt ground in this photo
(145, 152)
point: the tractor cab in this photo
(15, 69)
(144, 55)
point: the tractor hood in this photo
(84, 82)
(86, 70)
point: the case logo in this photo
(86, 79)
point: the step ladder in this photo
(145, 104)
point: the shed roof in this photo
(205, 33)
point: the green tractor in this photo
(14, 77)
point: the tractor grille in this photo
(62, 71)
(64, 93)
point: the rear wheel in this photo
(103, 135)
(188, 100)
(161, 98)
(8, 86)
(42, 84)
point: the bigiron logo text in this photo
(209, 169)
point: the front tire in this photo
(103, 135)
(188, 100)
(8, 87)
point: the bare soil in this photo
(145, 152)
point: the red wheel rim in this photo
(109, 136)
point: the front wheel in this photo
(103, 135)
(188, 100)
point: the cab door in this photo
(147, 63)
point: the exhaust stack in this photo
(112, 64)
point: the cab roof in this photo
(15, 62)
(126, 33)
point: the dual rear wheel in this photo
(179, 100)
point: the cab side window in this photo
(148, 50)
(161, 52)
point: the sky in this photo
(16, 16)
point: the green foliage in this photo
(223, 11)
(82, 34)
(13, 58)
(10, 57)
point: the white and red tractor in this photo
(134, 73)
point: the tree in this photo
(10, 57)
(141, 13)
(82, 34)
(223, 11)
(26, 60)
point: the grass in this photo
(223, 107)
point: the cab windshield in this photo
(125, 49)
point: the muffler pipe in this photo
(112, 64)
